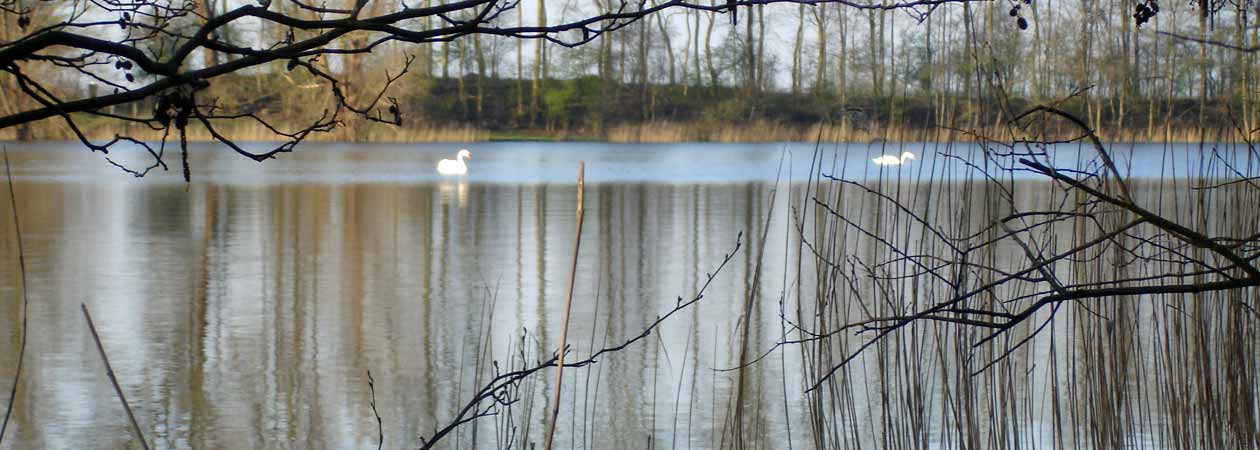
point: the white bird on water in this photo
(455, 166)
(890, 160)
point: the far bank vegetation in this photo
(788, 73)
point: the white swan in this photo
(890, 160)
(455, 166)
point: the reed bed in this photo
(1121, 371)
(844, 129)
(252, 131)
(759, 131)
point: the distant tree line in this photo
(904, 68)
(1119, 64)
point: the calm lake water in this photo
(244, 310)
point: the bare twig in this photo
(502, 390)
(380, 430)
(1214, 43)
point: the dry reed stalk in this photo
(529, 403)
(459, 380)
(599, 376)
(737, 418)
(568, 305)
(586, 390)
(17, 227)
(682, 372)
(135, 426)
(783, 298)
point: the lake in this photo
(244, 310)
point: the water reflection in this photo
(244, 317)
(245, 312)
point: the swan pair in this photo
(890, 160)
(458, 167)
(455, 166)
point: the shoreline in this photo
(639, 133)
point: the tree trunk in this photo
(699, 76)
(210, 57)
(891, 91)
(520, 68)
(820, 19)
(446, 60)
(750, 61)
(481, 73)
(669, 48)
(708, 51)
(796, 49)
(761, 47)
(874, 35)
(880, 69)
(540, 64)
(641, 72)
(1203, 70)
(842, 67)
(685, 67)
